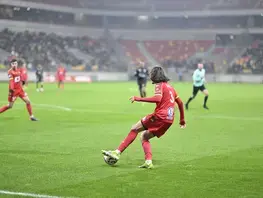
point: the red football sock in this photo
(147, 149)
(128, 140)
(29, 109)
(3, 109)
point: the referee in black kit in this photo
(142, 74)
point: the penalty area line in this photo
(53, 107)
(24, 194)
(45, 105)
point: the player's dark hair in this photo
(13, 60)
(158, 75)
(20, 63)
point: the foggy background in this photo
(114, 35)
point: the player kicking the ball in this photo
(157, 123)
(16, 90)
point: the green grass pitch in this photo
(219, 154)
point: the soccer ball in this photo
(109, 160)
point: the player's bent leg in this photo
(145, 137)
(29, 107)
(10, 105)
(6, 107)
(37, 86)
(42, 87)
(135, 129)
(189, 100)
(205, 92)
(195, 91)
(138, 127)
(143, 90)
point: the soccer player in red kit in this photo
(16, 90)
(61, 75)
(24, 76)
(157, 123)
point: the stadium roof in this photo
(155, 5)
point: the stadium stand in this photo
(99, 55)
(176, 50)
(250, 62)
(38, 48)
(52, 49)
(133, 51)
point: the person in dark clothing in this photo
(142, 74)
(39, 78)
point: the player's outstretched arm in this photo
(181, 109)
(154, 99)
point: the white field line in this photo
(44, 105)
(6, 192)
(53, 107)
(211, 116)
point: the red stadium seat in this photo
(176, 49)
(132, 51)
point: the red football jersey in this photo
(165, 108)
(61, 72)
(14, 79)
(23, 72)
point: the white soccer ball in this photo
(109, 160)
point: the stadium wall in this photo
(222, 78)
(88, 77)
(85, 77)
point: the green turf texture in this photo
(219, 154)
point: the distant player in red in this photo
(157, 123)
(24, 76)
(61, 75)
(16, 90)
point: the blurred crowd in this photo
(250, 62)
(37, 48)
(49, 50)
(190, 65)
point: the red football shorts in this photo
(17, 93)
(61, 79)
(154, 125)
